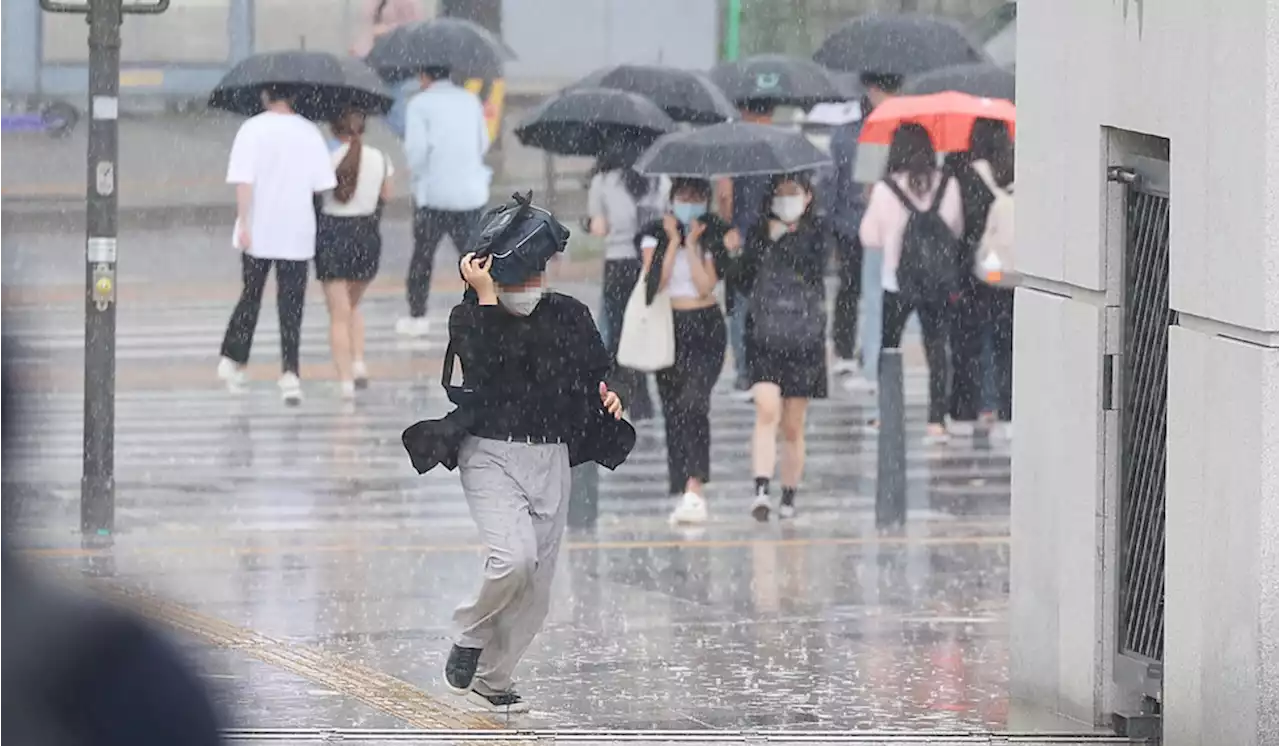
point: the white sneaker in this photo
(692, 509)
(232, 373)
(413, 326)
(845, 367)
(960, 428)
(361, 374)
(290, 389)
(786, 512)
(347, 389)
(505, 702)
(856, 384)
(761, 507)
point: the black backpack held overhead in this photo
(927, 270)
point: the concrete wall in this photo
(1203, 75)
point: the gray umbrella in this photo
(731, 149)
(897, 44)
(685, 96)
(323, 84)
(978, 79)
(778, 80)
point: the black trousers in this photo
(685, 390)
(430, 226)
(933, 327)
(620, 277)
(983, 311)
(291, 294)
(844, 317)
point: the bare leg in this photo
(355, 292)
(793, 414)
(764, 440)
(339, 302)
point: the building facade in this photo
(1144, 567)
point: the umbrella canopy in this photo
(976, 79)
(731, 149)
(897, 44)
(584, 121)
(685, 96)
(779, 80)
(947, 116)
(467, 49)
(324, 83)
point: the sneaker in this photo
(961, 428)
(460, 669)
(413, 326)
(761, 507)
(845, 367)
(786, 511)
(692, 509)
(232, 373)
(290, 389)
(935, 435)
(347, 389)
(858, 385)
(508, 702)
(360, 374)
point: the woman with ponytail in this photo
(349, 243)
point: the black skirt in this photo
(800, 373)
(348, 248)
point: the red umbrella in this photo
(948, 117)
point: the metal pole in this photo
(97, 485)
(891, 462)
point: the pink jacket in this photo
(394, 13)
(886, 219)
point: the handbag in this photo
(648, 339)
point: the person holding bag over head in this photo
(683, 257)
(781, 272)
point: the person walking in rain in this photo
(445, 142)
(914, 217)
(279, 162)
(349, 244)
(684, 254)
(619, 201)
(532, 404)
(982, 311)
(745, 200)
(379, 18)
(781, 271)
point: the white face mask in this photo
(521, 302)
(789, 208)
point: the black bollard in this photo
(584, 496)
(891, 462)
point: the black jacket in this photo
(712, 241)
(537, 375)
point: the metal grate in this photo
(1144, 416)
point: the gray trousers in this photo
(518, 494)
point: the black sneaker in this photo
(461, 668)
(508, 701)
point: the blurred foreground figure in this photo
(78, 671)
(532, 405)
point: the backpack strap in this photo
(942, 192)
(901, 195)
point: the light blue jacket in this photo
(445, 140)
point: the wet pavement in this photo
(313, 573)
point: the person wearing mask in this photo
(532, 405)
(859, 268)
(781, 271)
(377, 19)
(982, 312)
(684, 254)
(745, 201)
(445, 142)
(349, 244)
(916, 189)
(619, 201)
(279, 162)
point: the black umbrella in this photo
(467, 49)
(583, 121)
(779, 80)
(976, 79)
(324, 84)
(685, 96)
(731, 149)
(901, 44)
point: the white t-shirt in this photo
(285, 159)
(375, 168)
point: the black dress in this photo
(799, 373)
